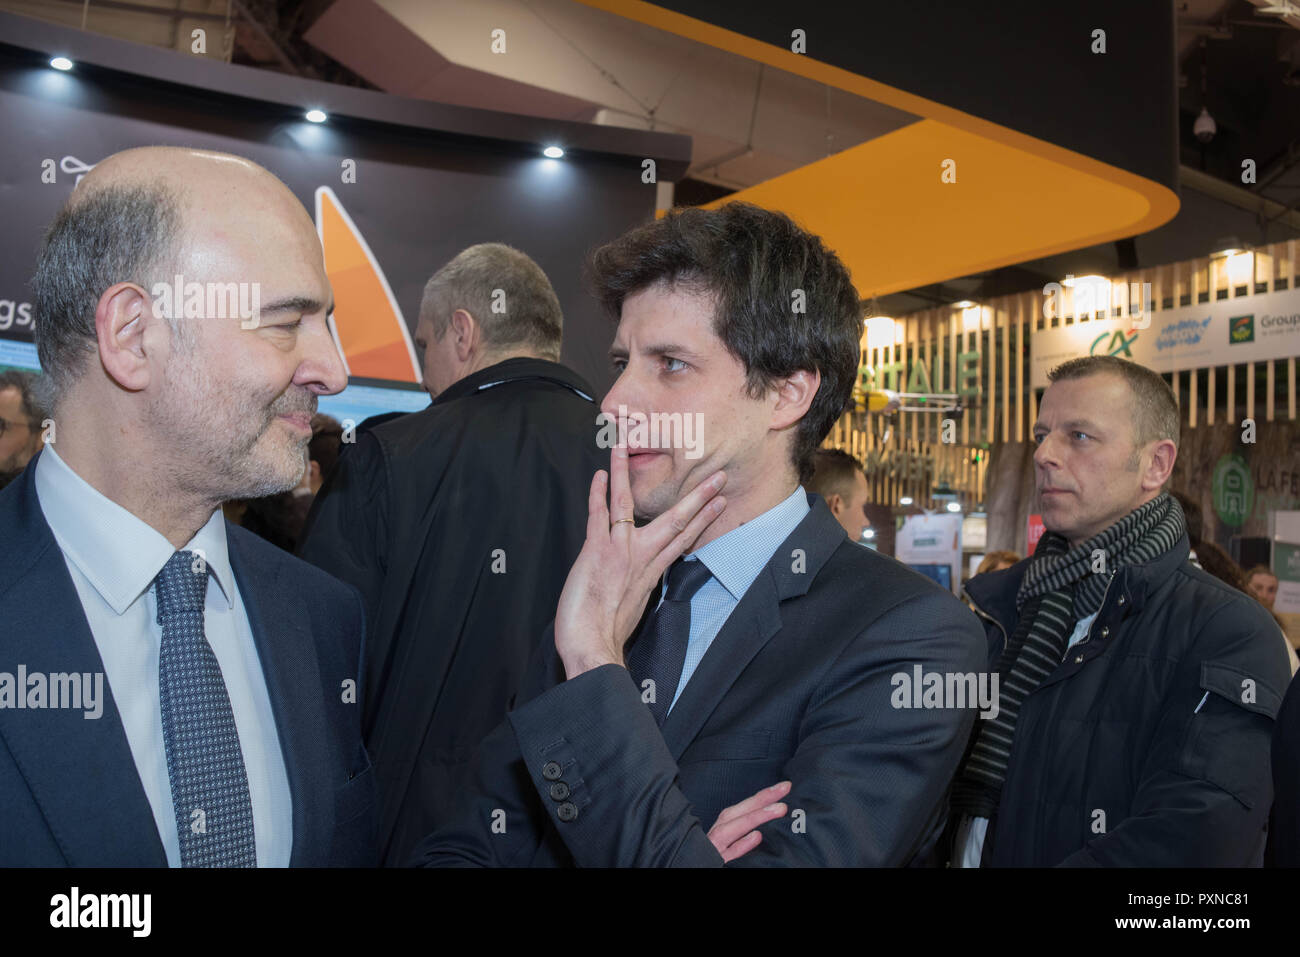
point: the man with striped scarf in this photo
(1137, 693)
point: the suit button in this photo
(568, 811)
(551, 771)
(559, 791)
(1121, 600)
(1105, 631)
(1078, 659)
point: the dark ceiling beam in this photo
(263, 32)
(1280, 167)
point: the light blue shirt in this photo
(113, 558)
(735, 559)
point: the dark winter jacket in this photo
(1148, 746)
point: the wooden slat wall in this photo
(1289, 273)
(938, 336)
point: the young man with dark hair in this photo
(768, 662)
(1138, 693)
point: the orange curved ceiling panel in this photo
(884, 205)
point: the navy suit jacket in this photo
(799, 684)
(69, 789)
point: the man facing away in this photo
(838, 478)
(767, 661)
(1138, 693)
(225, 727)
(458, 523)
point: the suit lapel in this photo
(753, 622)
(289, 665)
(79, 770)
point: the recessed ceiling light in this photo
(61, 63)
(553, 152)
(1071, 282)
(316, 116)
(905, 500)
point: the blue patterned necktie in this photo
(214, 812)
(659, 652)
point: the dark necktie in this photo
(660, 650)
(205, 766)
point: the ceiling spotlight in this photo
(316, 116)
(954, 506)
(1069, 282)
(905, 500)
(61, 63)
(869, 533)
(963, 304)
(553, 152)
(880, 332)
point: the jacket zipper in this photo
(1088, 637)
(983, 614)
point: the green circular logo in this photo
(1234, 492)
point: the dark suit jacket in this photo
(68, 786)
(797, 685)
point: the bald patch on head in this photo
(204, 182)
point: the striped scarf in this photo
(1061, 586)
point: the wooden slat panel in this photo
(1250, 366)
(1020, 384)
(1210, 396)
(1036, 322)
(1009, 387)
(989, 361)
(936, 337)
(950, 449)
(914, 420)
(904, 418)
(1289, 266)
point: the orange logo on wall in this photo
(371, 332)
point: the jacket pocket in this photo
(1230, 733)
(1240, 688)
(355, 798)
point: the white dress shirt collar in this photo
(119, 554)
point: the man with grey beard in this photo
(231, 734)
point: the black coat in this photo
(1148, 746)
(458, 524)
(1284, 829)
